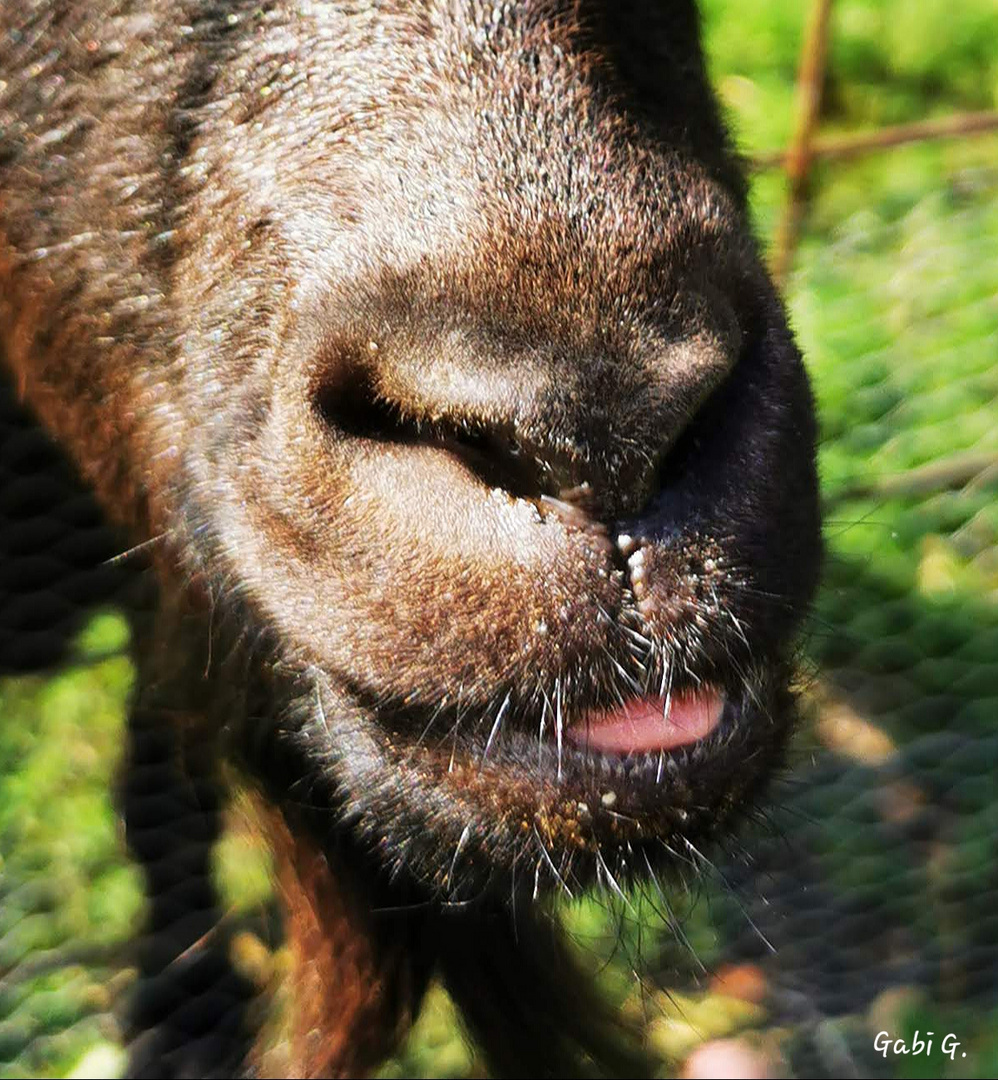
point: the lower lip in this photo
(645, 724)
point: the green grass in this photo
(65, 889)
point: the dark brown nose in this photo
(552, 419)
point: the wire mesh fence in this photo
(873, 907)
(868, 902)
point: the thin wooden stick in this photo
(843, 147)
(810, 80)
(974, 470)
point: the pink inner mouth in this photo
(650, 723)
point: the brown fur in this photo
(354, 990)
(396, 330)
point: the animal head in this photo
(432, 344)
(491, 417)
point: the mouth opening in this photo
(645, 724)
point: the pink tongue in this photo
(642, 724)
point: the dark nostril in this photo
(354, 408)
(496, 457)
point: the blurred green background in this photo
(886, 916)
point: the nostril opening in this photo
(355, 408)
(683, 471)
(496, 458)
